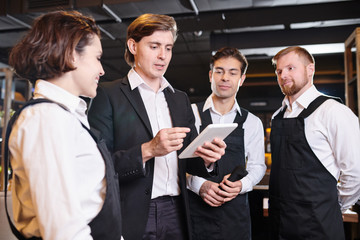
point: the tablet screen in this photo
(207, 135)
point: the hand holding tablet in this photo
(212, 131)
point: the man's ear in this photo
(131, 45)
(210, 75)
(310, 69)
(242, 79)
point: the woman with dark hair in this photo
(64, 182)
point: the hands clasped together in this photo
(216, 194)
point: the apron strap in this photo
(205, 117)
(7, 164)
(280, 115)
(311, 108)
(315, 104)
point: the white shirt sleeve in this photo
(344, 139)
(43, 155)
(254, 153)
(194, 183)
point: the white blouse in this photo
(58, 171)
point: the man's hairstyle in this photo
(47, 49)
(227, 52)
(145, 25)
(301, 52)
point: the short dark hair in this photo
(302, 52)
(46, 50)
(226, 52)
(145, 25)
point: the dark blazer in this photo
(120, 115)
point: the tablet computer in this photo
(207, 135)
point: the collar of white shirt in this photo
(135, 80)
(75, 105)
(303, 101)
(209, 104)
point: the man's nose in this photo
(162, 53)
(225, 76)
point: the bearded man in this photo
(315, 171)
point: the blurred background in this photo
(329, 29)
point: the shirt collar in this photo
(135, 81)
(209, 104)
(305, 99)
(45, 89)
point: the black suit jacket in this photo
(120, 115)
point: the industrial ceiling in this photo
(256, 27)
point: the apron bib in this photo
(231, 220)
(303, 200)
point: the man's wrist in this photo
(146, 151)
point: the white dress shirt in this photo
(59, 173)
(253, 140)
(333, 134)
(165, 182)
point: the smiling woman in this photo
(74, 191)
(88, 70)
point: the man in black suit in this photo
(145, 122)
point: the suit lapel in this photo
(135, 100)
(175, 112)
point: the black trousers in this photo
(166, 219)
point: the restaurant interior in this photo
(329, 29)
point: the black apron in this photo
(303, 200)
(231, 220)
(107, 224)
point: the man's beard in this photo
(293, 89)
(290, 91)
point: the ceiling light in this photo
(198, 33)
(330, 23)
(313, 49)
